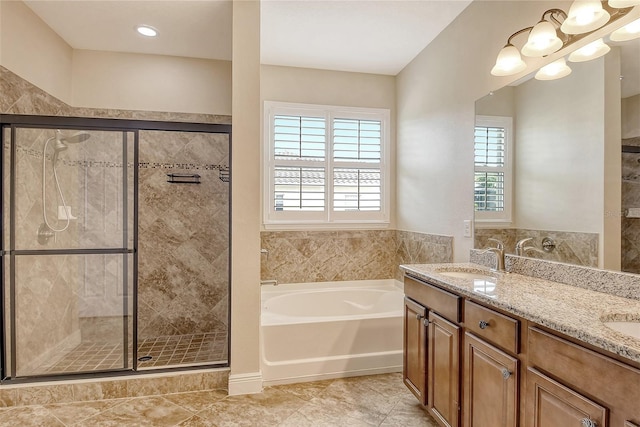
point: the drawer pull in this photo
(506, 374)
(587, 422)
(483, 324)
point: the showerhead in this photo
(62, 140)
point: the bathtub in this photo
(315, 331)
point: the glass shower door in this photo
(68, 226)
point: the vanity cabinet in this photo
(490, 385)
(432, 371)
(443, 381)
(476, 366)
(415, 349)
(553, 404)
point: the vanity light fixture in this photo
(556, 70)
(557, 30)
(628, 32)
(147, 30)
(585, 16)
(591, 51)
(621, 4)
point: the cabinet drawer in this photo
(494, 327)
(442, 302)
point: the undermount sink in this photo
(471, 275)
(627, 328)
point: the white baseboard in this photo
(250, 383)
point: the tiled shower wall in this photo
(571, 248)
(183, 235)
(53, 297)
(631, 199)
(324, 256)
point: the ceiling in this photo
(371, 36)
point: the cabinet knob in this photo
(483, 324)
(419, 316)
(588, 422)
(426, 322)
(506, 374)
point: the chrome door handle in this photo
(483, 324)
(506, 374)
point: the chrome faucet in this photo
(521, 249)
(499, 251)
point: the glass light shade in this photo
(556, 70)
(508, 62)
(621, 4)
(628, 32)
(591, 51)
(585, 16)
(542, 41)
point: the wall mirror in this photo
(574, 184)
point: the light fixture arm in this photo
(552, 13)
(517, 33)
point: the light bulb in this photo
(621, 4)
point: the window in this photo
(325, 165)
(492, 153)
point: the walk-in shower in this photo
(110, 264)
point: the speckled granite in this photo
(624, 285)
(571, 310)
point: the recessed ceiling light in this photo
(147, 31)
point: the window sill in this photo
(315, 226)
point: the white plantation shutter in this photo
(492, 154)
(325, 165)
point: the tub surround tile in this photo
(571, 247)
(571, 310)
(325, 256)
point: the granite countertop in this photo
(571, 310)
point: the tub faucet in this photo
(273, 282)
(499, 251)
(520, 248)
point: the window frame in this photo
(498, 218)
(328, 218)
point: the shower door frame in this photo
(10, 121)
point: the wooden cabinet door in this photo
(415, 349)
(490, 385)
(551, 404)
(443, 379)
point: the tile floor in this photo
(166, 351)
(377, 400)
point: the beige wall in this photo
(559, 168)
(29, 48)
(310, 86)
(245, 221)
(436, 93)
(150, 82)
(109, 80)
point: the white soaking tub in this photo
(325, 330)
